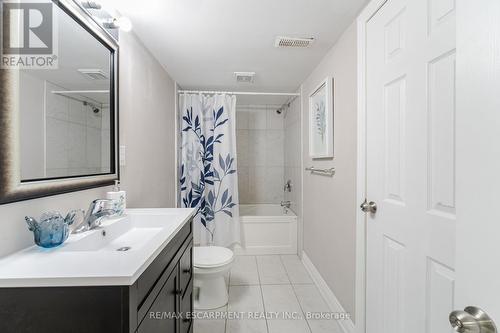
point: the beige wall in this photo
(147, 126)
(329, 206)
(147, 121)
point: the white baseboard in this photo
(264, 250)
(330, 298)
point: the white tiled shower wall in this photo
(76, 137)
(64, 137)
(293, 153)
(260, 140)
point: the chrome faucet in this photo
(288, 186)
(286, 204)
(99, 209)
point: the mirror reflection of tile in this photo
(65, 112)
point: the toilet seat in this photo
(211, 256)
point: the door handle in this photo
(472, 320)
(369, 207)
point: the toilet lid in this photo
(211, 256)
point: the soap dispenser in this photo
(119, 197)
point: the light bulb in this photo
(124, 23)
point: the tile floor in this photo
(273, 285)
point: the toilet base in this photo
(210, 292)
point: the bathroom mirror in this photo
(58, 115)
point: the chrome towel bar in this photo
(327, 172)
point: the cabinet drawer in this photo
(186, 268)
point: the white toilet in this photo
(211, 264)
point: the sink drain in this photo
(123, 249)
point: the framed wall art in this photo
(321, 120)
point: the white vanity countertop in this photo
(91, 259)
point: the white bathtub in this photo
(267, 229)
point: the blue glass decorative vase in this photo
(52, 230)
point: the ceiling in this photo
(202, 42)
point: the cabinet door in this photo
(186, 267)
(161, 317)
(186, 323)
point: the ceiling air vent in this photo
(244, 77)
(94, 74)
(293, 42)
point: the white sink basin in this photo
(92, 258)
(128, 233)
(132, 239)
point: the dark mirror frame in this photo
(12, 189)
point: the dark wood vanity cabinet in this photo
(166, 303)
(171, 309)
(161, 300)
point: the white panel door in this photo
(478, 156)
(410, 82)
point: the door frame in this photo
(361, 219)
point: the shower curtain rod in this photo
(236, 93)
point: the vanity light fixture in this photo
(122, 23)
(91, 5)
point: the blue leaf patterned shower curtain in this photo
(208, 172)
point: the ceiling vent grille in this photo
(282, 42)
(244, 77)
(94, 74)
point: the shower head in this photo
(94, 108)
(283, 108)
